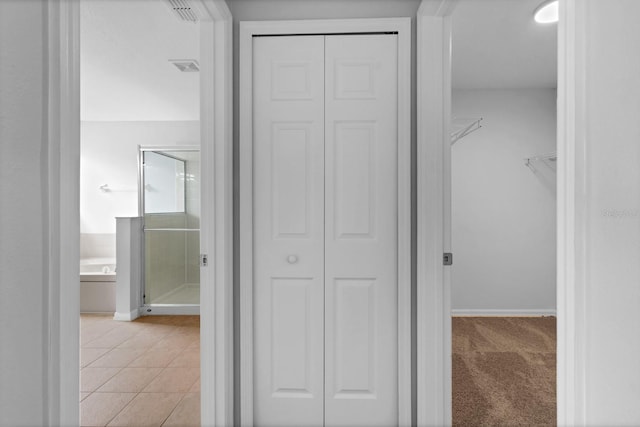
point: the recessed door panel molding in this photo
(355, 180)
(325, 242)
(355, 329)
(355, 79)
(291, 170)
(291, 80)
(290, 337)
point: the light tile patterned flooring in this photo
(140, 373)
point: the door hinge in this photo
(204, 260)
(448, 258)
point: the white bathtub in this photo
(98, 285)
(98, 270)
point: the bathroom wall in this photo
(109, 155)
(504, 213)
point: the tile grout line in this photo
(123, 408)
(182, 327)
(175, 407)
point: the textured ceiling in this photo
(497, 44)
(125, 73)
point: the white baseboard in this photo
(126, 317)
(503, 313)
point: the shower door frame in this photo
(162, 309)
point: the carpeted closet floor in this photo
(504, 371)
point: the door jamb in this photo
(62, 205)
(216, 233)
(433, 212)
(571, 255)
(247, 30)
(64, 219)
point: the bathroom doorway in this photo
(169, 192)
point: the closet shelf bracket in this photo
(549, 159)
(461, 127)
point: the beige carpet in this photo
(504, 371)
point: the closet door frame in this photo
(249, 29)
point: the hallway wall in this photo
(24, 229)
(262, 10)
(608, 211)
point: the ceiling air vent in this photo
(186, 65)
(184, 10)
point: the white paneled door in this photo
(325, 230)
(289, 231)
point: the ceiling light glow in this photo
(547, 12)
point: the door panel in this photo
(291, 195)
(355, 180)
(288, 231)
(291, 336)
(354, 336)
(361, 239)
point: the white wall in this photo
(503, 213)
(109, 155)
(23, 216)
(610, 96)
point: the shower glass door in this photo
(170, 203)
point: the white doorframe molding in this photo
(216, 234)
(62, 200)
(247, 30)
(64, 207)
(434, 215)
(572, 259)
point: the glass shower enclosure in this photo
(170, 204)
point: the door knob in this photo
(292, 259)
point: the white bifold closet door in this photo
(325, 230)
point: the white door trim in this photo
(434, 333)
(216, 230)
(572, 260)
(433, 222)
(64, 208)
(247, 30)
